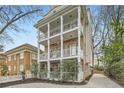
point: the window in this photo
(21, 67)
(21, 55)
(14, 57)
(14, 68)
(9, 58)
(9, 68)
(34, 56)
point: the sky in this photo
(30, 36)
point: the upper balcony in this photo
(70, 21)
(55, 53)
(43, 33)
(55, 27)
(43, 56)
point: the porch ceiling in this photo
(70, 35)
(55, 40)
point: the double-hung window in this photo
(21, 55)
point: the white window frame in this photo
(21, 55)
(9, 58)
(14, 57)
(14, 68)
(9, 68)
(21, 67)
(34, 56)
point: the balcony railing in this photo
(82, 54)
(70, 25)
(43, 75)
(43, 36)
(55, 31)
(43, 57)
(55, 54)
(70, 52)
(67, 26)
(54, 75)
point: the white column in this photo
(80, 72)
(61, 47)
(38, 58)
(48, 62)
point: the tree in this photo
(34, 69)
(3, 68)
(11, 16)
(114, 52)
(103, 16)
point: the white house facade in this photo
(66, 34)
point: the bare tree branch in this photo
(17, 17)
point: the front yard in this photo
(96, 81)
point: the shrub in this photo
(99, 68)
(34, 69)
(117, 70)
(69, 70)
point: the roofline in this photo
(26, 44)
(42, 21)
(51, 10)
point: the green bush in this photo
(4, 69)
(117, 70)
(99, 68)
(34, 69)
(69, 70)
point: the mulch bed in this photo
(35, 80)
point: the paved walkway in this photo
(97, 81)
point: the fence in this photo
(5, 79)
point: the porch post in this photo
(38, 58)
(80, 72)
(61, 72)
(48, 62)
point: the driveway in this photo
(97, 81)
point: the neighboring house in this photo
(2, 61)
(66, 33)
(20, 59)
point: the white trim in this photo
(48, 62)
(55, 35)
(70, 57)
(58, 17)
(42, 39)
(80, 72)
(42, 60)
(65, 32)
(55, 59)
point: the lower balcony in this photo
(55, 54)
(43, 36)
(67, 52)
(70, 52)
(43, 57)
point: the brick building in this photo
(20, 59)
